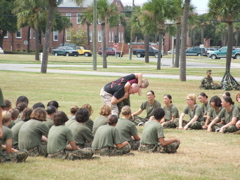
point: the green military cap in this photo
(209, 71)
(2, 103)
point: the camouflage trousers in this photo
(169, 124)
(158, 148)
(40, 150)
(85, 145)
(138, 120)
(195, 125)
(0, 150)
(20, 156)
(229, 129)
(134, 144)
(176, 121)
(113, 151)
(85, 153)
(106, 99)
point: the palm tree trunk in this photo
(36, 45)
(28, 39)
(202, 35)
(104, 55)
(12, 42)
(88, 36)
(51, 10)
(177, 45)
(159, 51)
(63, 38)
(230, 45)
(146, 46)
(184, 41)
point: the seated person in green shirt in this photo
(230, 115)
(171, 112)
(128, 129)
(82, 135)
(60, 135)
(105, 111)
(33, 134)
(73, 111)
(89, 122)
(10, 154)
(194, 112)
(203, 98)
(51, 110)
(153, 139)
(216, 107)
(150, 105)
(108, 141)
(14, 113)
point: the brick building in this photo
(18, 41)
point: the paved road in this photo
(165, 61)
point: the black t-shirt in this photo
(116, 88)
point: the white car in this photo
(1, 51)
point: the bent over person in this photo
(153, 139)
(120, 89)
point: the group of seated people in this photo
(48, 132)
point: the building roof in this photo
(71, 3)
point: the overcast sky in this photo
(201, 5)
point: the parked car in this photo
(209, 50)
(1, 51)
(170, 51)
(82, 51)
(222, 53)
(64, 51)
(111, 52)
(196, 51)
(141, 52)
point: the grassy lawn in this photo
(201, 155)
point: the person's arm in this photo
(9, 146)
(114, 100)
(136, 137)
(44, 138)
(139, 77)
(181, 120)
(209, 129)
(173, 117)
(231, 123)
(72, 146)
(167, 142)
(191, 121)
(137, 113)
(206, 122)
(121, 145)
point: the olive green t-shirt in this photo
(69, 122)
(228, 115)
(152, 131)
(126, 129)
(195, 111)
(89, 124)
(15, 129)
(49, 122)
(7, 134)
(30, 134)
(2, 103)
(106, 136)
(205, 108)
(99, 121)
(58, 138)
(12, 123)
(150, 108)
(170, 112)
(81, 133)
(19, 118)
(213, 113)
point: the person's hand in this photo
(126, 95)
(209, 129)
(180, 128)
(14, 150)
(204, 126)
(221, 129)
(185, 127)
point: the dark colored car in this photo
(196, 51)
(141, 52)
(111, 52)
(64, 51)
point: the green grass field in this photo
(201, 155)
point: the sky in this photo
(201, 5)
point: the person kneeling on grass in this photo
(59, 135)
(153, 140)
(108, 141)
(9, 154)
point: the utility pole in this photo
(131, 38)
(95, 35)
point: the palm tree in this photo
(236, 30)
(156, 13)
(87, 18)
(226, 11)
(222, 30)
(184, 40)
(107, 14)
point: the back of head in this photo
(50, 110)
(105, 110)
(112, 119)
(145, 83)
(59, 118)
(126, 111)
(158, 113)
(26, 114)
(21, 106)
(7, 106)
(6, 117)
(15, 113)
(82, 115)
(22, 99)
(39, 104)
(53, 103)
(74, 109)
(88, 107)
(39, 114)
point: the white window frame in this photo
(78, 19)
(109, 36)
(19, 31)
(69, 15)
(99, 36)
(68, 35)
(113, 37)
(119, 37)
(55, 34)
(90, 36)
(6, 36)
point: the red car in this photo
(111, 52)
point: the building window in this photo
(99, 21)
(119, 37)
(112, 36)
(68, 35)
(55, 35)
(79, 15)
(19, 33)
(99, 36)
(90, 36)
(69, 15)
(109, 36)
(6, 36)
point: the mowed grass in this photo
(201, 155)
